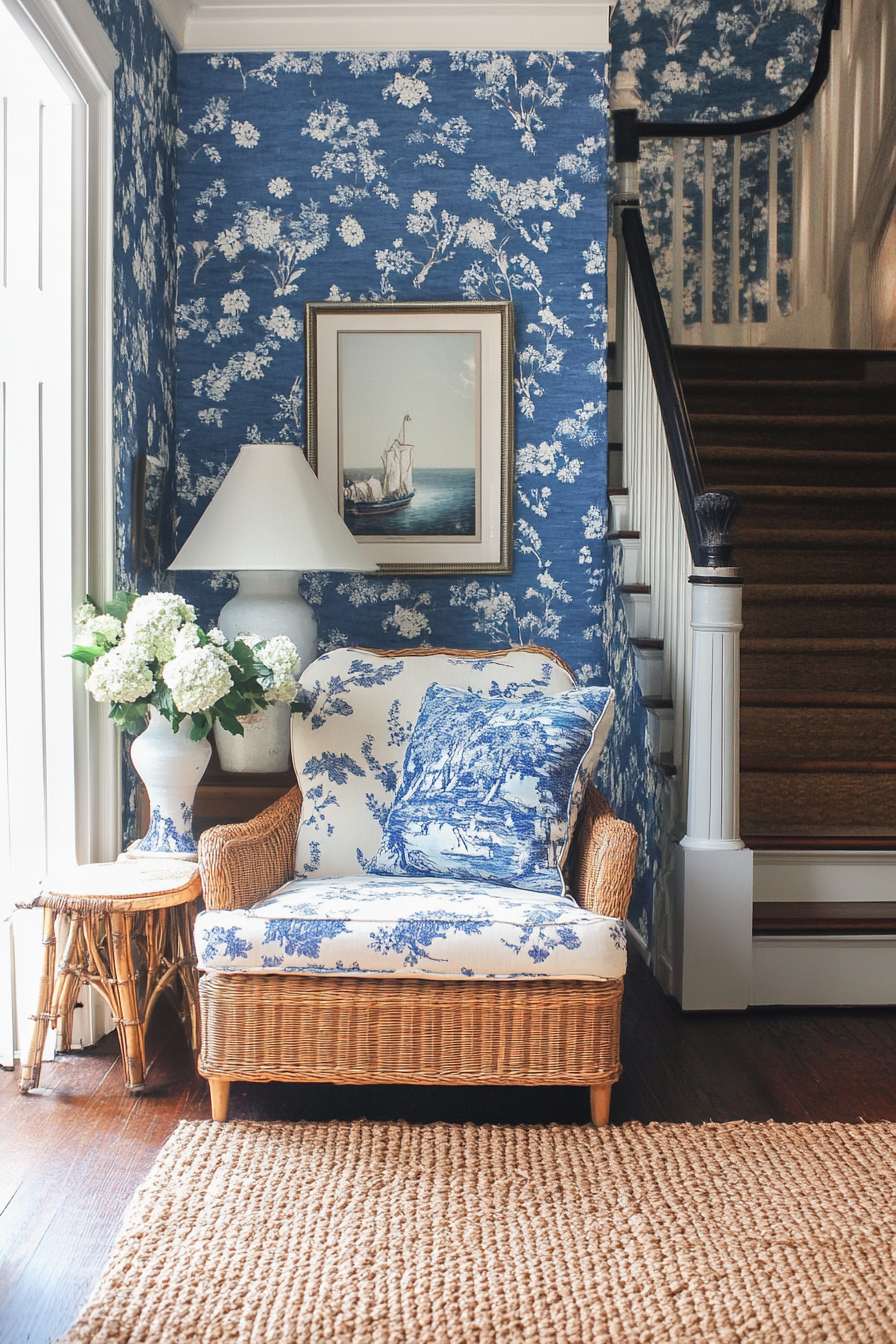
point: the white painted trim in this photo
(70, 32)
(173, 15)
(71, 40)
(635, 941)
(507, 25)
(831, 969)
(74, 44)
(824, 875)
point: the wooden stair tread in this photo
(798, 765)
(808, 917)
(634, 588)
(798, 385)
(623, 536)
(820, 592)
(854, 838)
(859, 420)
(786, 644)
(650, 643)
(818, 699)
(851, 457)
(814, 538)
(803, 492)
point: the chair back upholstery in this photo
(348, 753)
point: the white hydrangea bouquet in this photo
(150, 651)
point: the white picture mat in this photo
(329, 325)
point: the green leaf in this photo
(121, 604)
(130, 718)
(230, 723)
(201, 726)
(85, 653)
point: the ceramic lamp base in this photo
(269, 604)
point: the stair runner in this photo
(808, 440)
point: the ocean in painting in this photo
(444, 505)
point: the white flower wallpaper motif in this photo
(145, 283)
(700, 62)
(349, 175)
(413, 176)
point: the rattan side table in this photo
(130, 935)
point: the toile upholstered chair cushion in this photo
(336, 918)
(491, 787)
(402, 927)
(349, 751)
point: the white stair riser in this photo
(824, 875)
(649, 670)
(661, 731)
(853, 969)
(631, 559)
(619, 513)
(637, 614)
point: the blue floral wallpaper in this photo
(697, 61)
(414, 176)
(145, 285)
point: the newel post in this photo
(714, 886)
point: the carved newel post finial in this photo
(624, 93)
(716, 511)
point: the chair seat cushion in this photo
(401, 926)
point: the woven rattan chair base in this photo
(342, 1029)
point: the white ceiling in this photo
(434, 25)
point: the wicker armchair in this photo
(369, 1029)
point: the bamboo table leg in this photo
(130, 1021)
(30, 1075)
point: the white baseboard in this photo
(635, 941)
(827, 970)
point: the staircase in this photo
(808, 440)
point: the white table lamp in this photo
(269, 522)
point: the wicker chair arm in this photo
(243, 863)
(602, 863)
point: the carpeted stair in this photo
(808, 440)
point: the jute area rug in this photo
(441, 1234)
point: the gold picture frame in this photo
(410, 430)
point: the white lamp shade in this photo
(271, 512)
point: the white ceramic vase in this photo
(171, 766)
(264, 745)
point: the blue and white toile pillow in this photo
(490, 788)
(348, 751)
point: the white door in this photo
(37, 685)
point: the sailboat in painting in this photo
(396, 488)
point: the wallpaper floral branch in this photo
(401, 175)
(145, 290)
(697, 61)
(414, 176)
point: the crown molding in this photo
(369, 25)
(173, 15)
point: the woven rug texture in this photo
(250, 1233)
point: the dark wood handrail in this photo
(707, 515)
(629, 130)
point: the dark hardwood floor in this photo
(73, 1152)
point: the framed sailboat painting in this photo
(410, 430)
